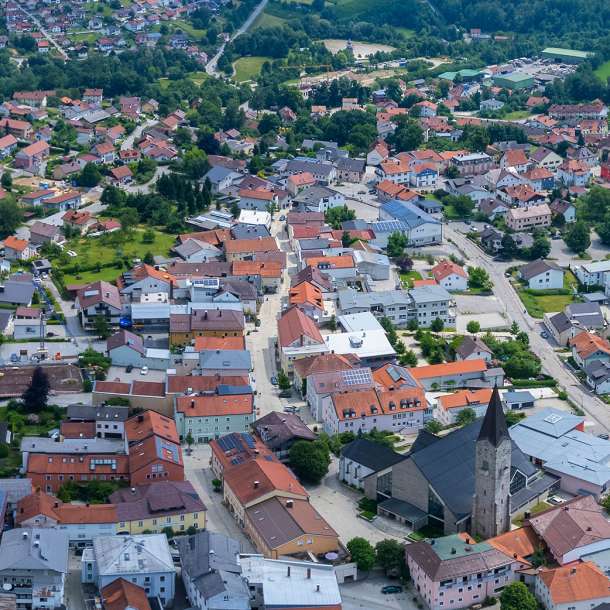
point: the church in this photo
(471, 480)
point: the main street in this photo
(552, 365)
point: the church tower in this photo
(491, 506)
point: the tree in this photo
(10, 216)
(408, 358)
(102, 327)
(36, 396)
(466, 416)
(90, 176)
(462, 204)
(283, 381)
(309, 460)
(514, 328)
(149, 258)
(408, 134)
(362, 552)
(332, 323)
(148, 237)
(346, 240)
(516, 596)
(129, 218)
(7, 181)
(577, 237)
(473, 327)
(404, 263)
(189, 439)
(336, 216)
(478, 279)
(540, 248)
(508, 246)
(397, 242)
(433, 426)
(390, 555)
(437, 325)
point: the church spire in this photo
(494, 428)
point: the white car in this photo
(71, 253)
(144, 370)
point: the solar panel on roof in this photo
(269, 458)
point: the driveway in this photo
(366, 594)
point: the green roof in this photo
(467, 72)
(450, 547)
(567, 52)
(515, 77)
(448, 75)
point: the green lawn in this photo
(248, 68)
(187, 28)
(103, 250)
(265, 20)
(604, 71)
(534, 510)
(410, 277)
(538, 305)
(406, 32)
(90, 37)
(516, 115)
(197, 77)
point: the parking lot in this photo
(366, 594)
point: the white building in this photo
(144, 560)
(542, 275)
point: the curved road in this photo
(552, 364)
(212, 65)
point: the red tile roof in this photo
(121, 594)
(148, 424)
(294, 326)
(210, 406)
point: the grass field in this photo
(265, 20)
(90, 37)
(248, 68)
(187, 28)
(408, 278)
(604, 71)
(103, 250)
(539, 304)
(406, 32)
(516, 115)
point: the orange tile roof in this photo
(515, 157)
(334, 262)
(586, 344)
(262, 268)
(152, 449)
(178, 384)
(301, 179)
(415, 399)
(294, 325)
(450, 368)
(261, 477)
(522, 542)
(112, 387)
(419, 283)
(306, 294)
(202, 343)
(465, 398)
(362, 402)
(38, 463)
(324, 363)
(14, 243)
(257, 194)
(210, 406)
(121, 594)
(392, 167)
(445, 268)
(575, 582)
(263, 244)
(148, 424)
(390, 188)
(40, 503)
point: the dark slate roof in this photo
(537, 267)
(276, 429)
(210, 560)
(560, 322)
(15, 291)
(449, 466)
(470, 345)
(424, 439)
(494, 428)
(245, 231)
(372, 455)
(351, 165)
(100, 413)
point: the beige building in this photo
(520, 219)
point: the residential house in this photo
(121, 594)
(42, 233)
(573, 172)
(473, 164)
(588, 347)
(34, 565)
(98, 299)
(279, 431)
(207, 417)
(318, 198)
(419, 227)
(461, 374)
(350, 170)
(8, 144)
(450, 276)
(298, 337)
(211, 572)
(565, 208)
(121, 175)
(248, 249)
(429, 303)
(31, 157)
(143, 559)
(546, 158)
(520, 219)
(450, 406)
(211, 322)
(598, 376)
(16, 249)
(473, 348)
(542, 275)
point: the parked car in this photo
(144, 370)
(391, 589)
(129, 368)
(604, 435)
(282, 218)
(544, 334)
(274, 380)
(14, 358)
(291, 409)
(555, 500)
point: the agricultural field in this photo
(604, 71)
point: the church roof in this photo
(494, 428)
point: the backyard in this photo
(408, 278)
(104, 258)
(539, 302)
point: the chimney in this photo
(573, 571)
(55, 505)
(140, 418)
(308, 572)
(289, 503)
(453, 551)
(192, 404)
(24, 535)
(256, 484)
(318, 588)
(133, 490)
(288, 572)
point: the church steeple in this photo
(494, 428)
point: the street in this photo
(513, 307)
